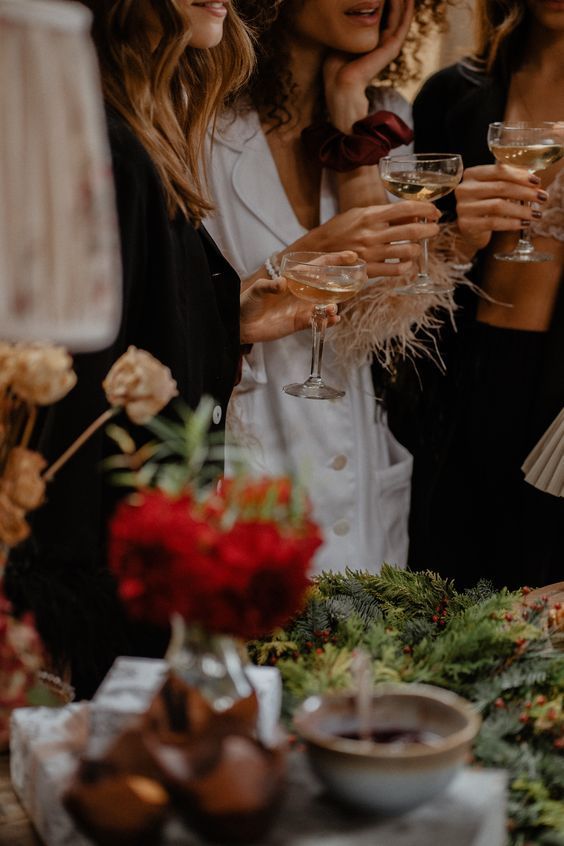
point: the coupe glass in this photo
(533, 146)
(422, 176)
(322, 279)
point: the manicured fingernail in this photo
(536, 213)
(542, 196)
(525, 223)
(534, 180)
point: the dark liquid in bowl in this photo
(396, 735)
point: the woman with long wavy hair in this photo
(473, 513)
(166, 67)
(276, 192)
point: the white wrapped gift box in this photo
(45, 743)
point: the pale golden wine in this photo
(420, 184)
(531, 156)
(319, 292)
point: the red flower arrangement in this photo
(234, 562)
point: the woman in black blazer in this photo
(166, 67)
(471, 428)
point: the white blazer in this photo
(357, 474)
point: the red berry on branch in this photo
(525, 590)
(499, 702)
(557, 606)
(559, 743)
(528, 704)
(509, 617)
(435, 618)
(540, 700)
(319, 650)
(523, 718)
(408, 650)
(552, 714)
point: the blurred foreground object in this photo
(60, 274)
(544, 466)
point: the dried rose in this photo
(141, 384)
(22, 480)
(13, 525)
(43, 373)
(7, 364)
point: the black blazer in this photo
(451, 114)
(180, 302)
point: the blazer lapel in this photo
(257, 184)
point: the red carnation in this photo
(235, 563)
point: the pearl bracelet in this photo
(272, 266)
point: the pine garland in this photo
(481, 644)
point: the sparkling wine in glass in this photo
(322, 279)
(534, 146)
(422, 176)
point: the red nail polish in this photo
(542, 196)
(534, 180)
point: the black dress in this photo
(472, 513)
(181, 303)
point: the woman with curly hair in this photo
(166, 67)
(276, 193)
(473, 513)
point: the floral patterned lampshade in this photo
(60, 274)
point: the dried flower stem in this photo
(32, 417)
(75, 446)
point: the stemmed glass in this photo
(422, 176)
(323, 279)
(534, 146)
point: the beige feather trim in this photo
(386, 324)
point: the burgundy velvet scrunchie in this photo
(373, 137)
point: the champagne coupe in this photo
(422, 176)
(322, 279)
(531, 146)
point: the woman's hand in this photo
(372, 233)
(346, 79)
(270, 311)
(489, 200)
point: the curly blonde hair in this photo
(271, 85)
(169, 94)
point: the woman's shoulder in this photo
(128, 153)
(452, 82)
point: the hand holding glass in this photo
(323, 279)
(534, 147)
(422, 176)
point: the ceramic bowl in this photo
(388, 777)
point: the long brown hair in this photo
(271, 86)
(169, 94)
(501, 31)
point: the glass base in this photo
(533, 256)
(424, 285)
(313, 389)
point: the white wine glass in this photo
(323, 279)
(532, 146)
(422, 176)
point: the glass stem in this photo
(424, 264)
(318, 327)
(524, 244)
